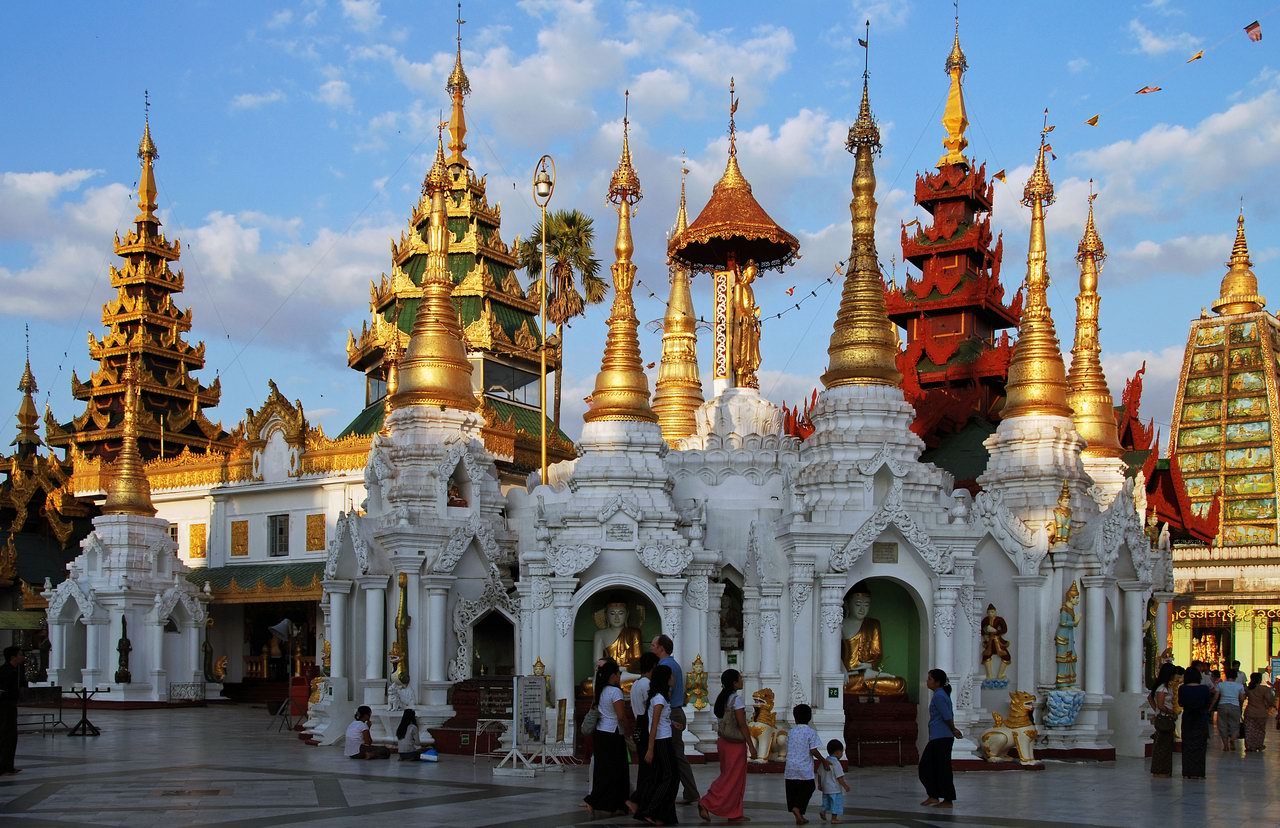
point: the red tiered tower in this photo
(954, 364)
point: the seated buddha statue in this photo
(615, 640)
(861, 651)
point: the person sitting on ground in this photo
(407, 747)
(359, 744)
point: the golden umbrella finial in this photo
(622, 388)
(1089, 398)
(1239, 285)
(129, 493)
(862, 349)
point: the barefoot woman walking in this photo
(935, 762)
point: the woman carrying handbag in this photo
(1164, 721)
(724, 798)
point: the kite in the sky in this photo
(1196, 56)
(1093, 121)
(1147, 90)
(1254, 31)
(1000, 176)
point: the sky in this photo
(294, 136)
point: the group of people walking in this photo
(1196, 700)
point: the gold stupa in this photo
(435, 369)
(1037, 383)
(862, 349)
(1089, 398)
(129, 493)
(622, 388)
(1239, 285)
(954, 118)
(678, 391)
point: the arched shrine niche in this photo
(597, 618)
(882, 628)
(494, 646)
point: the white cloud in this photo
(280, 19)
(256, 100)
(335, 93)
(883, 14)
(1159, 383)
(363, 15)
(1150, 43)
(1077, 65)
(658, 90)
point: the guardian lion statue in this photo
(770, 740)
(1017, 732)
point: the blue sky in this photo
(293, 138)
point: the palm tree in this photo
(572, 261)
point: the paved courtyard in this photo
(223, 766)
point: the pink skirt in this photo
(724, 798)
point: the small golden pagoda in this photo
(144, 324)
(129, 493)
(1037, 382)
(1090, 398)
(622, 388)
(678, 391)
(1224, 431)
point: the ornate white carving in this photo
(1023, 546)
(619, 503)
(891, 511)
(459, 452)
(797, 691)
(66, 591)
(665, 558)
(568, 559)
(832, 617)
(697, 592)
(944, 619)
(564, 620)
(165, 603)
(800, 593)
(475, 528)
(1121, 525)
(883, 457)
(467, 611)
(769, 623)
(541, 593)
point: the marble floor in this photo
(226, 766)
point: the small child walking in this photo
(831, 783)
(803, 748)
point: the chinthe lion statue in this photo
(770, 740)
(1017, 732)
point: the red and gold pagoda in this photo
(955, 313)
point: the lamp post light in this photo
(544, 185)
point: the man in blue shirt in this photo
(662, 647)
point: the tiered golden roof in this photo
(862, 349)
(678, 391)
(1089, 398)
(622, 388)
(1240, 285)
(1037, 383)
(28, 440)
(435, 369)
(128, 493)
(954, 118)
(733, 222)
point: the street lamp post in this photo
(544, 184)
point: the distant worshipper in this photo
(11, 682)
(407, 746)
(359, 744)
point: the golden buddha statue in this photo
(616, 640)
(861, 651)
(1060, 527)
(746, 328)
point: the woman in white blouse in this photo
(655, 800)
(724, 797)
(610, 773)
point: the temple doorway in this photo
(494, 646)
(642, 622)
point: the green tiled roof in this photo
(248, 576)
(366, 422)
(962, 453)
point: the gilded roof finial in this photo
(732, 174)
(622, 388)
(862, 349)
(1239, 285)
(678, 390)
(147, 154)
(129, 493)
(1037, 383)
(955, 119)
(435, 370)
(458, 86)
(438, 176)
(1089, 398)
(28, 418)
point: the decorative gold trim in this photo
(316, 525)
(239, 538)
(196, 541)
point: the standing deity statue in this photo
(861, 651)
(745, 339)
(616, 640)
(1065, 639)
(1060, 526)
(123, 647)
(995, 649)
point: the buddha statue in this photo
(861, 651)
(615, 640)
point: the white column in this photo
(195, 671)
(1095, 623)
(693, 610)
(712, 659)
(944, 629)
(770, 634)
(751, 635)
(672, 599)
(1131, 654)
(562, 602)
(801, 618)
(1024, 658)
(339, 592)
(438, 587)
(1163, 599)
(413, 595)
(374, 588)
(831, 609)
(57, 650)
(94, 629)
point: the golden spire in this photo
(435, 369)
(733, 177)
(129, 493)
(862, 350)
(954, 118)
(458, 86)
(622, 389)
(1089, 398)
(1037, 381)
(147, 154)
(28, 418)
(1240, 285)
(391, 362)
(678, 391)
